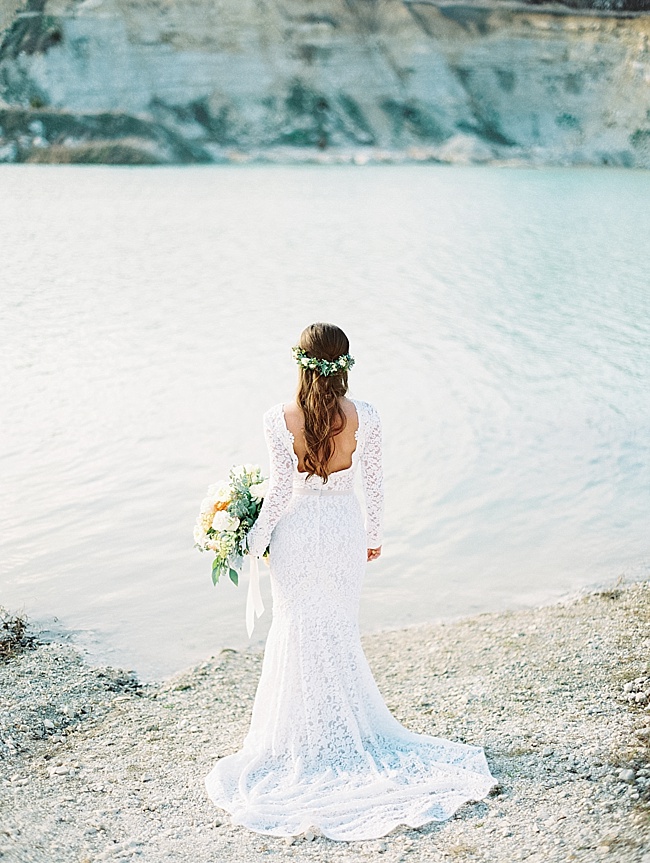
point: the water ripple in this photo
(499, 319)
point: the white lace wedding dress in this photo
(323, 750)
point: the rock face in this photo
(211, 80)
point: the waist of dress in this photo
(315, 491)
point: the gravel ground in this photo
(95, 766)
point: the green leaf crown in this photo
(326, 367)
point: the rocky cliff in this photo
(210, 80)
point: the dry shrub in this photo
(13, 634)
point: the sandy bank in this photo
(94, 766)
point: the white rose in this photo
(207, 504)
(199, 535)
(259, 489)
(223, 521)
(220, 492)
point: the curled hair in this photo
(318, 395)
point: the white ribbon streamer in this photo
(254, 604)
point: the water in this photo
(499, 319)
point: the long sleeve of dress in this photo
(373, 478)
(280, 485)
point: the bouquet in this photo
(227, 514)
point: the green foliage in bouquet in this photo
(227, 514)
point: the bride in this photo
(323, 751)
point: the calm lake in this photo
(500, 321)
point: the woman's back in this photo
(345, 442)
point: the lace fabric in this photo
(284, 475)
(323, 750)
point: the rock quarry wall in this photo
(181, 81)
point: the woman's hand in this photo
(373, 553)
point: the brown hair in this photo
(318, 395)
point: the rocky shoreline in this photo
(96, 766)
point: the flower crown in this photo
(325, 367)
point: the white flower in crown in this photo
(223, 521)
(324, 367)
(259, 489)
